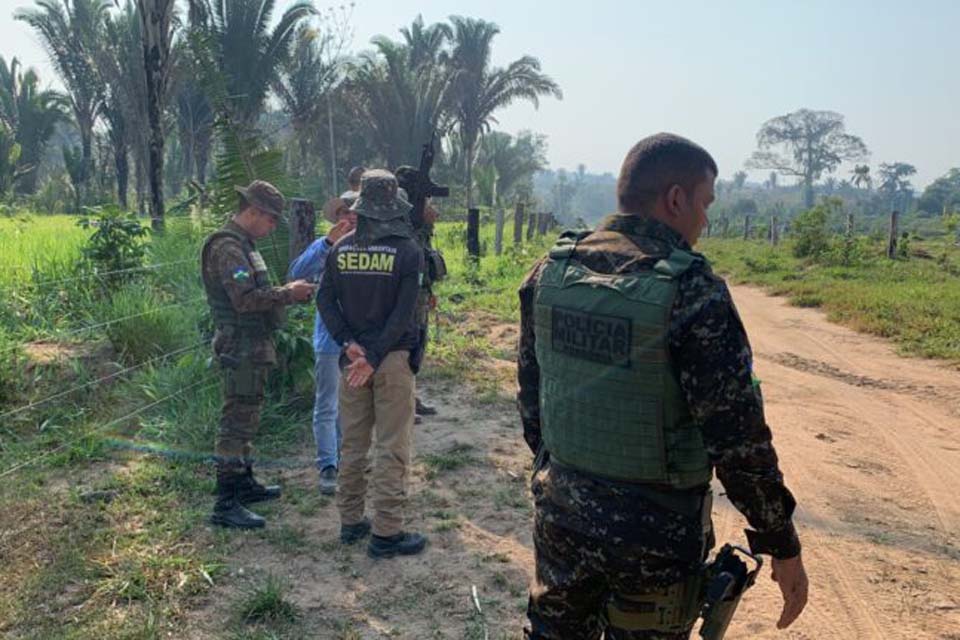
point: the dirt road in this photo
(869, 441)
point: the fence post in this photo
(302, 227)
(774, 231)
(498, 234)
(746, 227)
(892, 242)
(531, 225)
(473, 233)
(725, 227)
(518, 224)
(850, 225)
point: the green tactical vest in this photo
(610, 403)
(255, 325)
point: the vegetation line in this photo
(60, 447)
(96, 274)
(92, 383)
(115, 320)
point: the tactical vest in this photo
(254, 325)
(610, 402)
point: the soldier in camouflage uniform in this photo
(245, 310)
(635, 383)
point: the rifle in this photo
(419, 187)
(728, 577)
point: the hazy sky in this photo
(713, 71)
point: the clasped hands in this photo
(359, 371)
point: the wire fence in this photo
(75, 332)
(99, 381)
(102, 428)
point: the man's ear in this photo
(675, 200)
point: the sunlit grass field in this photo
(30, 243)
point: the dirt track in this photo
(870, 445)
(869, 441)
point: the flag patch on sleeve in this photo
(240, 274)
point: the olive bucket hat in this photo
(264, 197)
(380, 197)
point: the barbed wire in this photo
(107, 425)
(92, 383)
(74, 332)
(98, 274)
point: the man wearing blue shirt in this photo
(326, 424)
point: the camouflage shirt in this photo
(229, 269)
(711, 354)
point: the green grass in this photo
(267, 602)
(914, 302)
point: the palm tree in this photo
(304, 83)
(156, 28)
(245, 51)
(402, 91)
(31, 115)
(70, 29)
(861, 177)
(481, 90)
(512, 162)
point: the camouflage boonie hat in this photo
(264, 197)
(380, 198)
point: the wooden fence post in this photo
(302, 227)
(746, 227)
(473, 233)
(774, 231)
(498, 234)
(531, 225)
(725, 227)
(518, 224)
(850, 225)
(892, 242)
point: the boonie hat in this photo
(380, 197)
(264, 197)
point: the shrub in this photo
(810, 231)
(117, 244)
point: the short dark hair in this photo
(655, 164)
(353, 177)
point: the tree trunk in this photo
(808, 193)
(155, 25)
(892, 240)
(86, 172)
(473, 233)
(122, 164)
(469, 150)
(746, 227)
(518, 224)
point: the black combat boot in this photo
(402, 544)
(228, 510)
(424, 409)
(250, 491)
(350, 533)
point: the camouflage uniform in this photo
(598, 540)
(234, 268)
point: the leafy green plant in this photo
(117, 243)
(810, 230)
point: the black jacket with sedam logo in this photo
(368, 294)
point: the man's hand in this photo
(354, 351)
(339, 230)
(792, 578)
(359, 373)
(302, 290)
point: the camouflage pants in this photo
(583, 563)
(243, 389)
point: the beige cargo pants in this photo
(385, 404)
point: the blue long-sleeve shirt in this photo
(310, 265)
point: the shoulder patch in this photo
(240, 274)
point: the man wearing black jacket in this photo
(367, 300)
